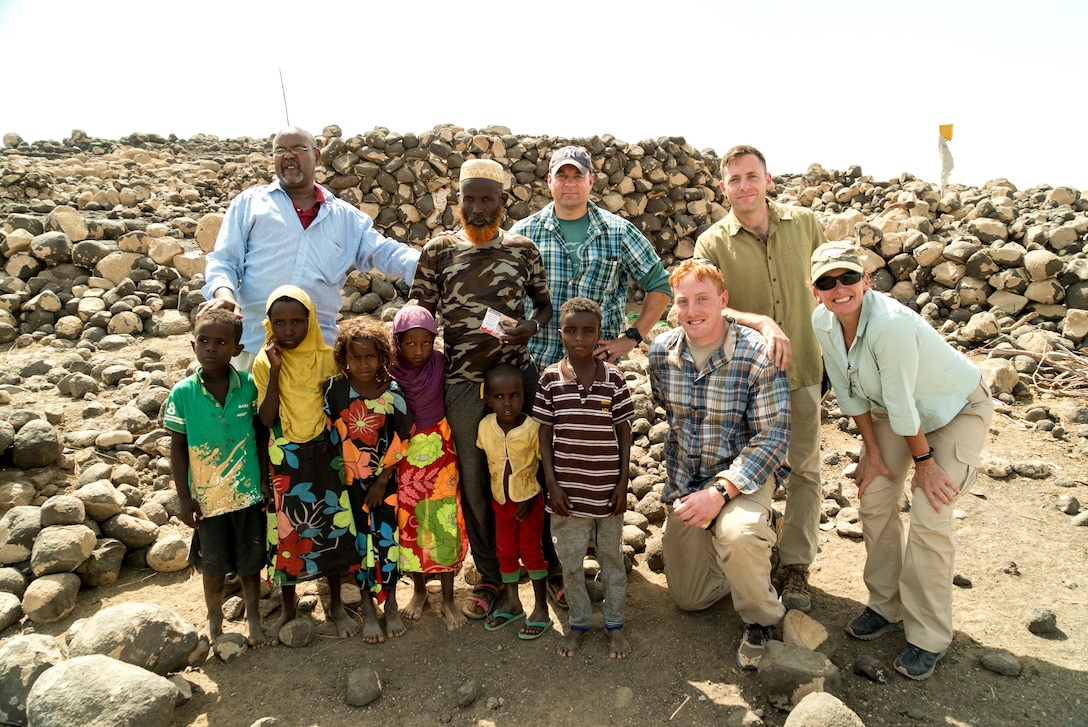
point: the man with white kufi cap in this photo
(460, 277)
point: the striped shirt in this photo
(586, 453)
(731, 418)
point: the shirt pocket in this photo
(327, 256)
(600, 270)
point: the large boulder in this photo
(22, 660)
(11, 609)
(97, 691)
(169, 553)
(821, 709)
(12, 580)
(52, 248)
(16, 494)
(103, 566)
(51, 598)
(149, 636)
(18, 528)
(61, 549)
(101, 499)
(63, 510)
(999, 374)
(36, 445)
(134, 532)
(789, 673)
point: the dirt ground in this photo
(682, 670)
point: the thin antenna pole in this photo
(283, 90)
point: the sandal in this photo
(534, 629)
(556, 591)
(502, 620)
(480, 601)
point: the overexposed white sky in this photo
(838, 82)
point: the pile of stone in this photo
(52, 546)
(108, 670)
(126, 224)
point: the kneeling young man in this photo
(728, 409)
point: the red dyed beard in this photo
(479, 234)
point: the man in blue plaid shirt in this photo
(592, 253)
(728, 409)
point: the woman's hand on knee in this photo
(934, 482)
(870, 466)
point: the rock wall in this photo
(102, 236)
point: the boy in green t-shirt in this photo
(219, 468)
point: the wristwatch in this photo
(633, 334)
(719, 485)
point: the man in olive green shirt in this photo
(763, 250)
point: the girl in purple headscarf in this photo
(432, 529)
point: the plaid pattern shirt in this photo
(615, 254)
(731, 419)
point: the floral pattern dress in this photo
(370, 435)
(432, 527)
(311, 531)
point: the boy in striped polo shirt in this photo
(585, 409)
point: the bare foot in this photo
(618, 646)
(272, 636)
(346, 626)
(372, 630)
(254, 635)
(570, 643)
(454, 618)
(414, 610)
(394, 627)
(215, 626)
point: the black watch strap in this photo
(719, 485)
(633, 334)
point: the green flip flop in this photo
(543, 627)
(502, 620)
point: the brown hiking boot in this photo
(795, 595)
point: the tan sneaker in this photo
(795, 594)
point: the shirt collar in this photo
(596, 217)
(234, 380)
(319, 191)
(567, 375)
(678, 347)
(777, 212)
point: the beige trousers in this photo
(733, 556)
(915, 584)
(801, 524)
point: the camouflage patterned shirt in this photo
(462, 281)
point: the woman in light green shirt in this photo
(916, 401)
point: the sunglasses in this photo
(828, 281)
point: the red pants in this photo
(514, 538)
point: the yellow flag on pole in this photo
(946, 153)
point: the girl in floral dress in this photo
(311, 531)
(369, 424)
(432, 529)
